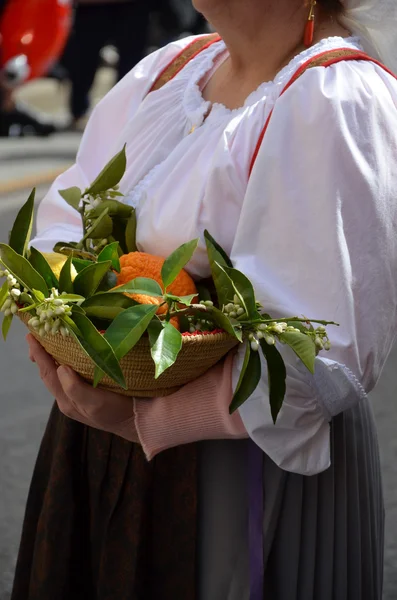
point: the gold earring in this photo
(309, 28)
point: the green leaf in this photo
(130, 233)
(80, 264)
(6, 326)
(166, 348)
(26, 299)
(101, 228)
(89, 279)
(107, 305)
(141, 285)
(249, 378)
(72, 250)
(303, 346)
(111, 252)
(110, 176)
(72, 196)
(28, 308)
(65, 277)
(3, 293)
(22, 228)
(115, 209)
(39, 296)
(277, 376)
(203, 292)
(177, 261)
(22, 270)
(216, 251)
(230, 326)
(244, 290)
(119, 228)
(97, 348)
(38, 261)
(186, 300)
(126, 331)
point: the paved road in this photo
(24, 407)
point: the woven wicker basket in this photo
(199, 353)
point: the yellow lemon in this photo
(56, 262)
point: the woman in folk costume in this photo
(280, 137)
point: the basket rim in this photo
(194, 338)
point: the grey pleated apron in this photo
(323, 535)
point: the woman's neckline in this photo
(197, 107)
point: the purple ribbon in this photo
(255, 471)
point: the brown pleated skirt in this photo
(104, 524)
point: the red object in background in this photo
(36, 29)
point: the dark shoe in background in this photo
(21, 122)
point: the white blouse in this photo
(314, 227)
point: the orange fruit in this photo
(141, 264)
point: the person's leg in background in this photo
(82, 55)
(130, 32)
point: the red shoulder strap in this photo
(325, 59)
(183, 58)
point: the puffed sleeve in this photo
(318, 237)
(102, 139)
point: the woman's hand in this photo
(78, 400)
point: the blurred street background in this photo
(30, 159)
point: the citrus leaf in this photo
(185, 300)
(97, 348)
(22, 228)
(217, 252)
(244, 290)
(80, 264)
(38, 261)
(39, 296)
(126, 330)
(5, 328)
(89, 279)
(72, 196)
(3, 293)
(74, 251)
(107, 305)
(21, 268)
(115, 209)
(277, 376)
(249, 379)
(225, 323)
(141, 285)
(110, 176)
(166, 348)
(65, 277)
(119, 229)
(101, 229)
(174, 264)
(130, 233)
(303, 346)
(26, 299)
(111, 252)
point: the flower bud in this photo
(192, 329)
(42, 331)
(327, 346)
(237, 300)
(43, 316)
(277, 328)
(251, 337)
(229, 307)
(269, 339)
(260, 335)
(50, 313)
(262, 327)
(209, 303)
(60, 310)
(7, 304)
(47, 327)
(321, 329)
(240, 311)
(7, 312)
(319, 343)
(34, 322)
(58, 302)
(62, 329)
(16, 293)
(14, 309)
(255, 345)
(233, 315)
